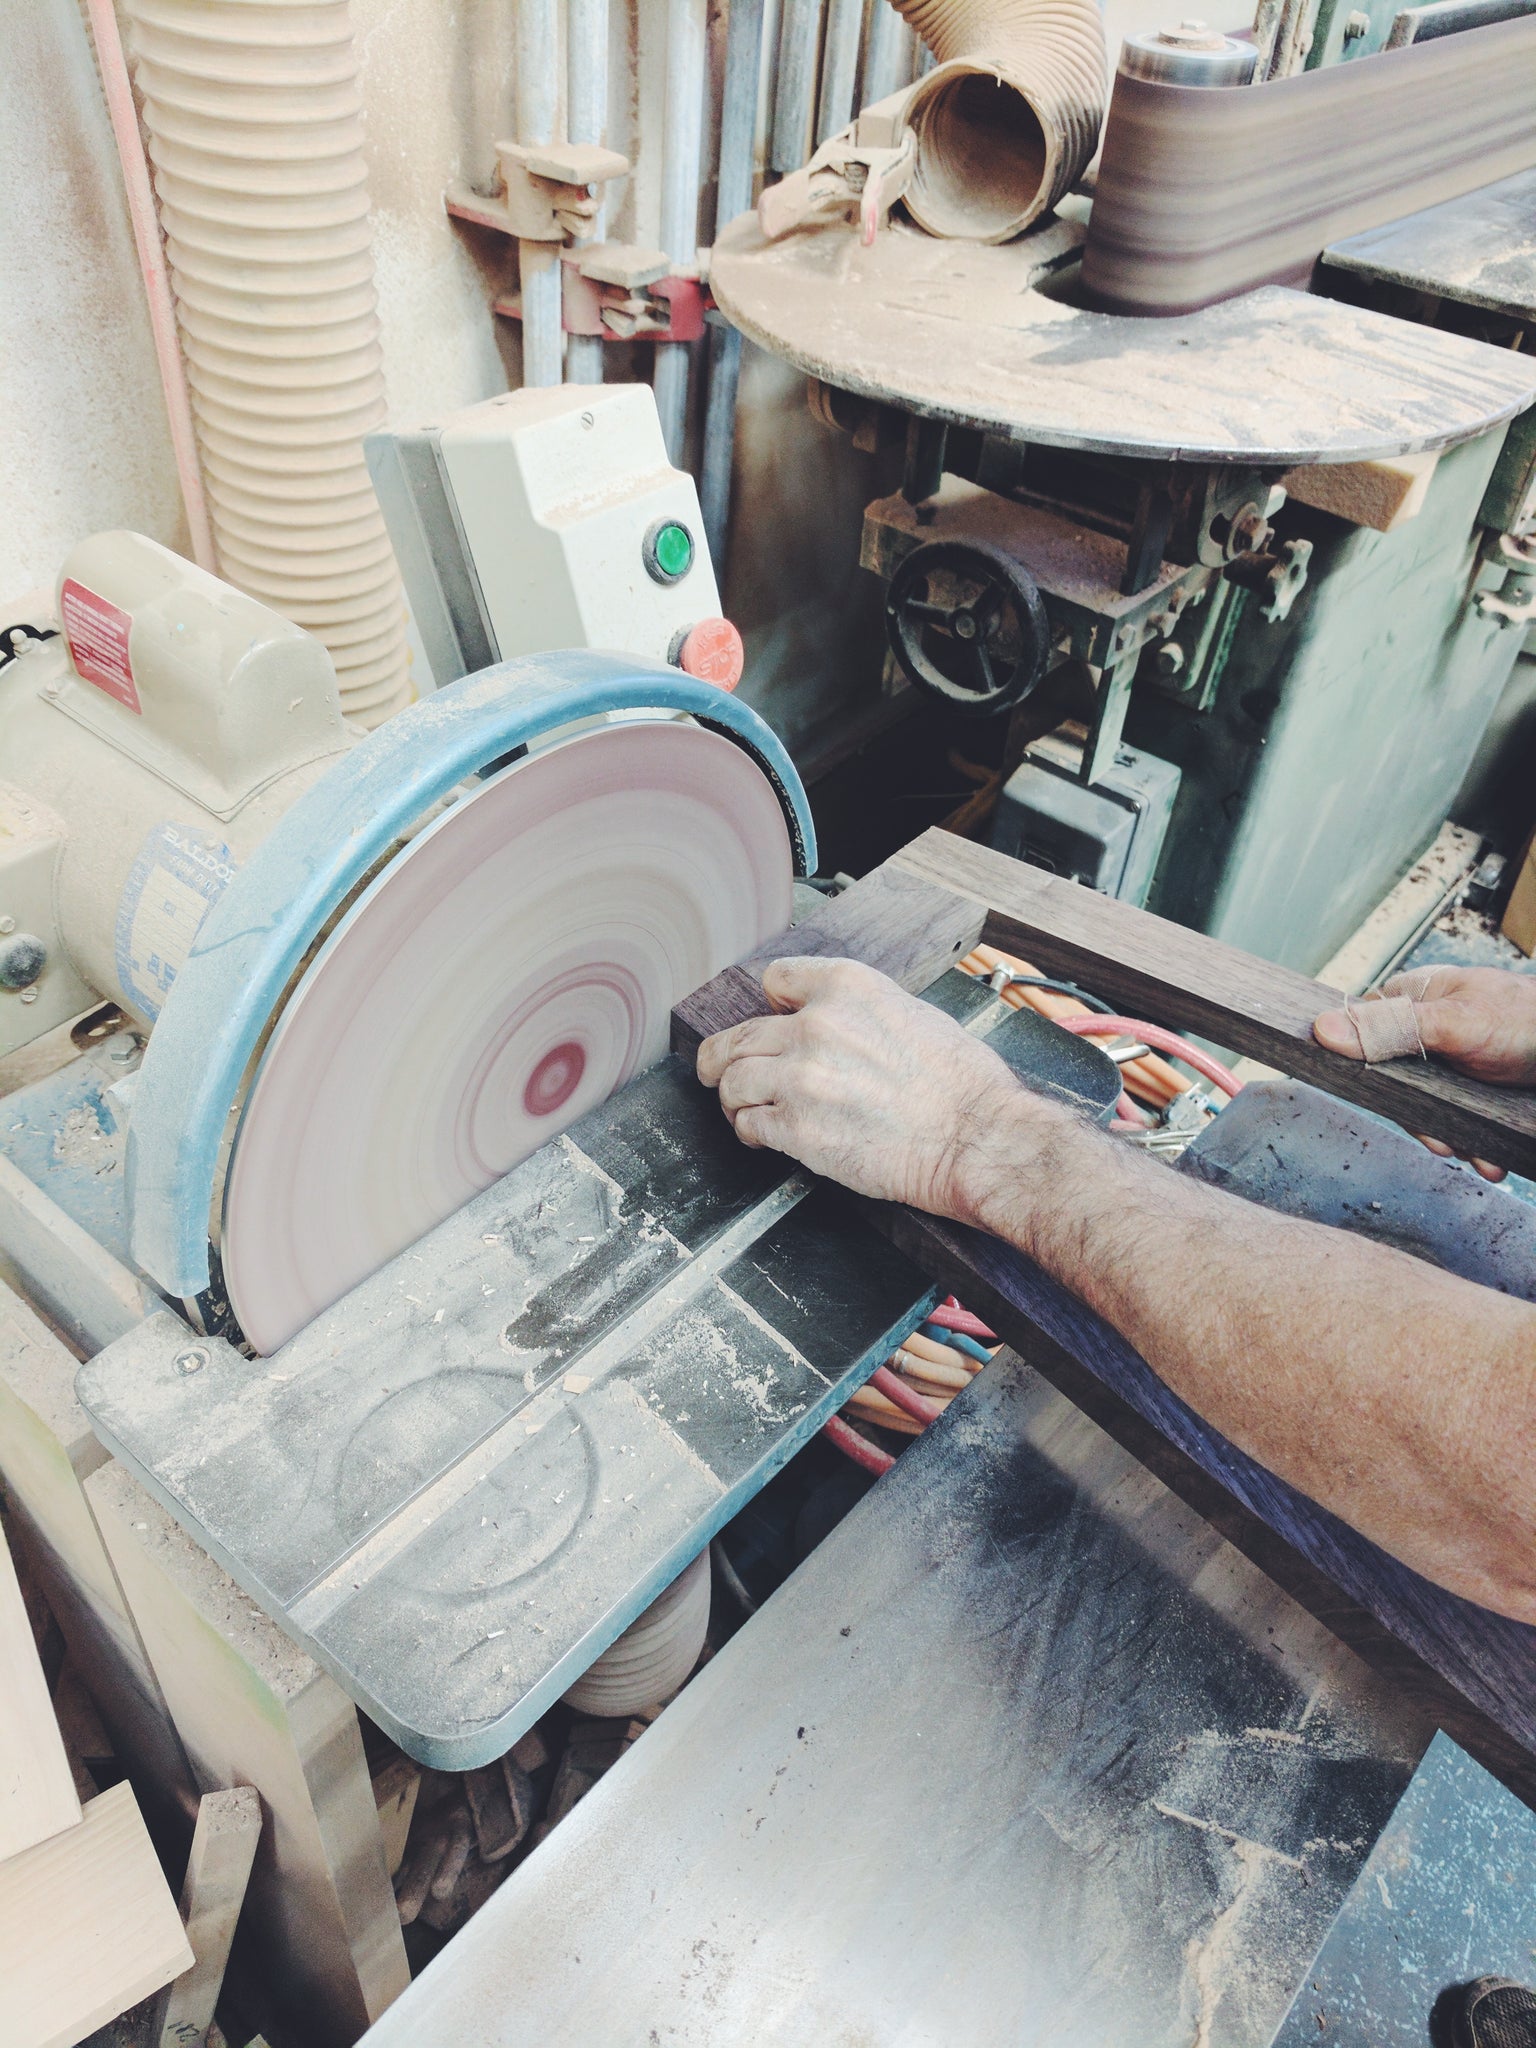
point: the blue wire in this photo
(957, 1341)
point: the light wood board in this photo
(87, 1927)
(37, 1787)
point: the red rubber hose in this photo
(904, 1397)
(1160, 1041)
(953, 1317)
(859, 1448)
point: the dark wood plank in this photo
(1173, 976)
(1489, 1660)
(908, 927)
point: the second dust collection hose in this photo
(1009, 117)
(255, 134)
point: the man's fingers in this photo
(759, 1037)
(1436, 1145)
(1337, 1030)
(762, 1127)
(1489, 1171)
(791, 983)
(747, 1083)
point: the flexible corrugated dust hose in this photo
(1009, 117)
(255, 134)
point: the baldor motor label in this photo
(179, 874)
(97, 631)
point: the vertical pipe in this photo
(738, 132)
(890, 50)
(586, 120)
(262, 184)
(794, 98)
(839, 66)
(686, 56)
(538, 263)
(157, 281)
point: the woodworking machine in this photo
(449, 1315)
(1247, 578)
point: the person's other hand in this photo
(1480, 1020)
(863, 1083)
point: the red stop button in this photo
(713, 652)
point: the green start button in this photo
(668, 551)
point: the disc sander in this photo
(510, 968)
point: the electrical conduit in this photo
(586, 120)
(686, 53)
(255, 134)
(538, 263)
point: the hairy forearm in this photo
(1399, 1396)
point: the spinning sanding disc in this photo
(514, 965)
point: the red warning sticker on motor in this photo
(97, 632)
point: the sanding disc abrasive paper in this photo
(509, 969)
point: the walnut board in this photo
(88, 1927)
(928, 904)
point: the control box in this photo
(1107, 834)
(551, 518)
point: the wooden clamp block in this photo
(621, 263)
(546, 192)
(566, 163)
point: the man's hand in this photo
(867, 1085)
(1481, 1020)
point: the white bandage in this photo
(1387, 1029)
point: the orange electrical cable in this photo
(1149, 1077)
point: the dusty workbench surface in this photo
(1024, 1754)
(953, 330)
(1479, 250)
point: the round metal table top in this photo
(958, 331)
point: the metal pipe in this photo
(157, 280)
(795, 92)
(733, 196)
(586, 120)
(686, 54)
(890, 54)
(538, 263)
(839, 66)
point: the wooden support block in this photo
(568, 163)
(87, 1927)
(1381, 494)
(37, 1786)
(47, 1450)
(621, 263)
(212, 1894)
(252, 1708)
